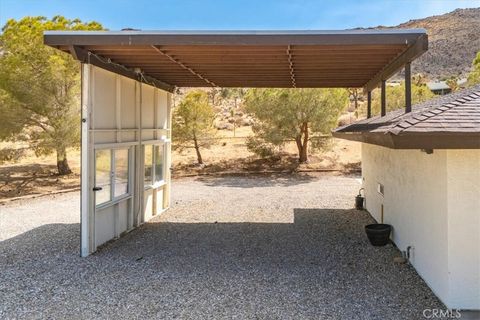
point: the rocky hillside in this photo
(454, 40)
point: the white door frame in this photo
(87, 204)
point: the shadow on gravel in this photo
(321, 266)
(249, 180)
(47, 240)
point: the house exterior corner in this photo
(432, 201)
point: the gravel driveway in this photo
(263, 247)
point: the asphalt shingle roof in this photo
(458, 112)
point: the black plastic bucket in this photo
(359, 202)
(378, 233)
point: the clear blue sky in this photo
(247, 14)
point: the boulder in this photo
(220, 125)
(245, 122)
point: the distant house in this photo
(421, 174)
(441, 87)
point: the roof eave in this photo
(415, 50)
(310, 37)
(416, 140)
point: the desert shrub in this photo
(11, 154)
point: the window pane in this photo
(148, 156)
(103, 162)
(159, 163)
(121, 172)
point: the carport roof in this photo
(302, 59)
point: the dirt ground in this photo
(230, 154)
(33, 175)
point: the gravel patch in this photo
(263, 247)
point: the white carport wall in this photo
(121, 118)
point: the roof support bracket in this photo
(74, 52)
(163, 53)
(85, 56)
(292, 70)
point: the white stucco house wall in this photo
(421, 174)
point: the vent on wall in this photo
(380, 188)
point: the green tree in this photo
(355, 94)
(232, 93)
(293, 114)
(39, 87)
(474, 76)
(193, 123)
(396, 97)
(235, 94)
(212, 93)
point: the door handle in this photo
(97, 188)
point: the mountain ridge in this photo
(454, 40)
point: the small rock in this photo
(399, 260)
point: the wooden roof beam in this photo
(415, 50)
